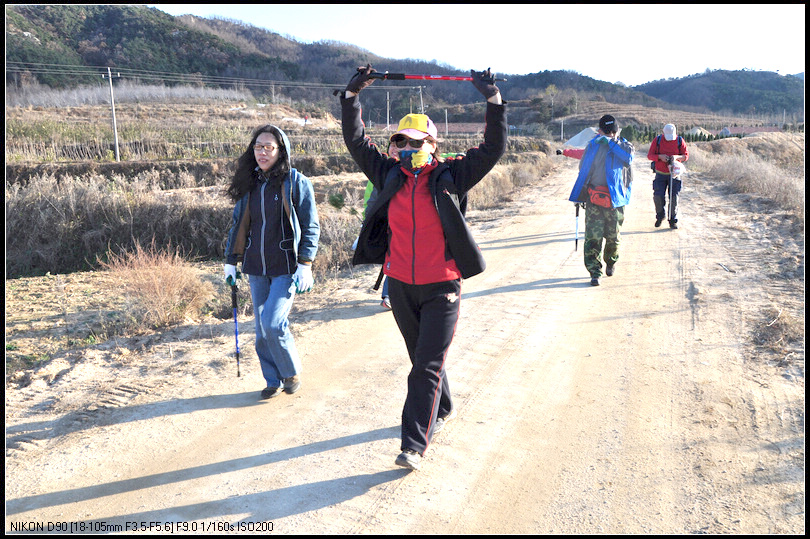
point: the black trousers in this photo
(426, 316)
(660, 189)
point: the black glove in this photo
(361, 79)
(484, 82)
(559, 152)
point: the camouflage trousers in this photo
(601, 223)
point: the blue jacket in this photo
(300, 207)
(618, 172)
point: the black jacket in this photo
(448, 183)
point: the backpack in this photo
(658, 148)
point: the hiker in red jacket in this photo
(664, 151)
(416, 229)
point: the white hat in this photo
(669, 132)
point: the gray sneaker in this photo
(292, 384)
(409, 459)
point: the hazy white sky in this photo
(650, 41)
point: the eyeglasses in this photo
(269, 148)
(401, 141)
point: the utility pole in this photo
(445, 123)
(387, 110)
(421, 103)
(112, 106)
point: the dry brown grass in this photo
(500, 184)
(163, 288)
(153, 131)
(769, 165)
(779, 331)
(63, 224)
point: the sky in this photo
(651, 41)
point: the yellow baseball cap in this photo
(417, 127)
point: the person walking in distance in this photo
(416, 229)
(665, 150)
(604, 182)
(274, 233)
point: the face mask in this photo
(413, 159)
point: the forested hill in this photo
(739, 91)
(56, 45)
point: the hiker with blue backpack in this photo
(667, 152)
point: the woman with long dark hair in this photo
(274, 234)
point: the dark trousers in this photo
(426, 316)
(660, 188)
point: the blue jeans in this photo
(272, 300)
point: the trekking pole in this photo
(669, 165)
(235, 327)
(576, 228)
(403, 76)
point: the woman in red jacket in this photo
(416, 229)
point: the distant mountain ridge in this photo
(738, 91)
(160, 45)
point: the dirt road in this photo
(638, 406)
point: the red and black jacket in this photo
(429, 256)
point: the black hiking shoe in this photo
(673, 224)
(595, 281)
(658, 222)
(609, 270)
(409, 459)
(270, 392)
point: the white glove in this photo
(231, 275)
(303, 278)
(354, 245)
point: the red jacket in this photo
(667, 147)
(418, 254)
(416, 227)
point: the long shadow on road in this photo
(72, 422)
(568, 282)
(344, 488)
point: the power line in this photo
(166, 76)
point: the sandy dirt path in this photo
(632, 407)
